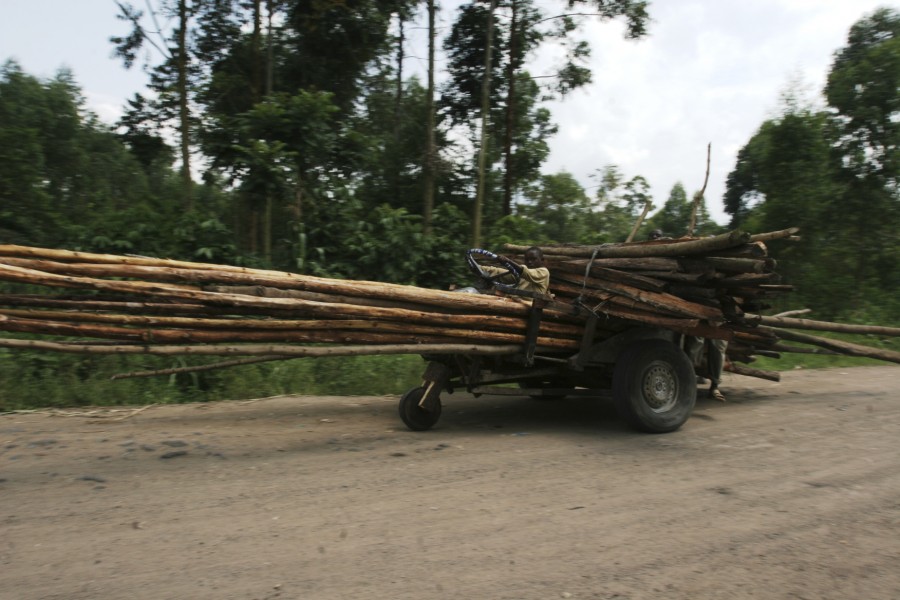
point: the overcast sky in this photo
(710, 71)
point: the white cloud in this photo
(711, 71)
(107, 107)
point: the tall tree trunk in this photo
(395, 167)
(270, 51)
(256, 51)
(430, 151)
(253, 232)
(398, 94)
(300, 229)
(257, 66)
(510, 110)
(267, 229)
(183, 113)
(485, 115)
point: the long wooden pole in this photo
(789, 323)
(197, 368)
(262, 349)
(455, 325)
(411, 334)
(289, 281)
(698, 197)
(639, 249)
(759, 373)
(836, 345)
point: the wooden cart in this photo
(645, 370)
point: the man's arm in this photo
(537, 279)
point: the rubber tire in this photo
(414, 416)
(660, 364)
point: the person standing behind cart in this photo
(714, 350)
(715, 361)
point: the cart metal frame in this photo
(644, 370)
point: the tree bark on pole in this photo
(362, 289)
(774, 235)
(261, 349)
(640, 220)
(758, 373)
(698, 197)
(847, 348)
(641, 249)
(785, 322)
(198, 368)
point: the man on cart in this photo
(533, 276)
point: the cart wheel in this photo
(654, 386)
(414, 416)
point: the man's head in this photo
(656, 234)
(534, 258)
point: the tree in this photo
(783, 178)
(673, 218)
(429, 166)
(519, 36)
(143, 137)
(834, 174)
(617, 206)
(863, 89)
(485, 116)
(24, 195)
(390, 169)
(743, 185)
(170, 78)
(332, 43)
(282, 149)
(559, 204)
(68, 180)
(317, 53)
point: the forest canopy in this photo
(289, 134)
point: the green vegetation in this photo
(317, 157)
(790, 361)
(835, 173)
(45, 380)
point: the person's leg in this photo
(715, 361)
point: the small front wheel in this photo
(416, 417)
(654, 386)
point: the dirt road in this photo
(788, 490)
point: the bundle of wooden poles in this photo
(713, 287)
(80, 302)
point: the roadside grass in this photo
(35, 380)
(789, 360)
